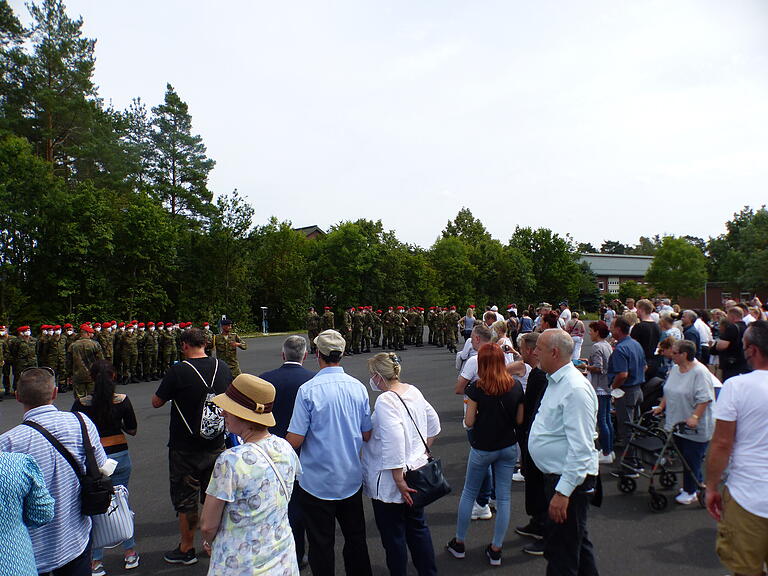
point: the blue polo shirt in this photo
(628, 356)
(331, 411)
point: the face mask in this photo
(57, 332)
(141, 329)
(151, 328)
(130, 330)
(3, 333)
(45, 332)
(98, 329)
(69, 332)
(27, 333)
(373, 385)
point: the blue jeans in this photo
(604, 424)
(694, 453)
(404, 528)
(486, 488)
(503, 463)
(120, 477)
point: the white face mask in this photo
(45, 332)
(27, 333)
(3, 332)
(169, 328)
(373, 384)
(69, 332)
(97, 329)
(130, 330)
(151, 328)
(57, 332)
(141, 328)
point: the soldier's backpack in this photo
(211, 418)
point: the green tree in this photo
(466, 227)
(136, 135)
(281, 274)
(613, 247)
(180, 166)
(450, 257)
(60, 97)
(554, 264)
(586, 248)
(678, 269)
(739, 255)
(632, 289)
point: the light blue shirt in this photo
(331, 411)
(66, 536)
(562, 439)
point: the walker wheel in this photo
(668, 479)
(701, 495)
(627, 485)
(658, 502)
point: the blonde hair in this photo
(630, 317)
(470, 313)
(387, 364)
(499, 328)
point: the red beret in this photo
(97, 324)
(160, 324)
(206, 324)
(121, 324)
(141, 324)
(67, 325)
(86, 328)
(151, 324)
(57, 327)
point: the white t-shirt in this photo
(705, 333)
(748, 319)
(565, 316)
(744, 399)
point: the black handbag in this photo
(428, 480)
(95, 489)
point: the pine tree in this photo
(180, 167)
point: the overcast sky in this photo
(599, 119)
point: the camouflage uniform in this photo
(368, 322)
(228, 353)
(166, 349)
(376, 335)
(5, 349)
(106, 341)
(149, 358)
(129, 356)
(24, 356)
(141, 346)
(357, 330)
(82, 354)
(399, 329)
(388, 320)
(346, 330)
(327, 320)
(313, 328)
(56, 358)
(208, 338)
(451, 326)
(420, 328)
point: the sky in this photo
(603, 120)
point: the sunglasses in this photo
(46, 368)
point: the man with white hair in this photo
(562, 445)
(690, 332)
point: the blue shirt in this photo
(331, 411)
(629, 357)
(66, 536)
(690, 333)
(562, 438)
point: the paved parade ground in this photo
(630, 540)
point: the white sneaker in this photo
(685, 498)
(481, 512)
(606, 458)
(518, 477)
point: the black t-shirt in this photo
(534, 392)
(183, 386)
(734, 354)
(647, 334)
(122, 417)
(495, 424)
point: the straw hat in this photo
(250, 398)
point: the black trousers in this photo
(320, 517)
(536, 500)
(80, 566)
(568, 549)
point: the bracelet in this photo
(695, 416)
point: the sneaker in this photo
(625, 473)
(518, 476)
(481, 512)
(132, 561)
(98, 569)
(531, 530)
(455, 548)
(492, 503)
(685, 498)
(494, 556)
(535, 548)
(606, 458)
(176, 556)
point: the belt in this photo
(115, 440)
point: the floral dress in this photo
(24, 503)
(254, 536)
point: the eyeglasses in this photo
(46, 368)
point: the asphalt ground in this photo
(629, 539)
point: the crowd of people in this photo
(253, 450)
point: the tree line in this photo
(107, 213)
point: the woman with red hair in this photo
(494, 410)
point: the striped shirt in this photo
(66, 536)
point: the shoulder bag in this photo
(95, 489)
(428, 480)
(115, 526)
